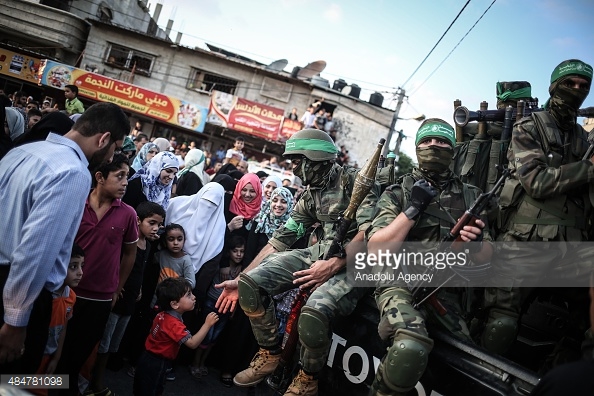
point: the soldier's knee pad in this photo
(500, 331)
(250, 299)
(313, 329)
(406, 360)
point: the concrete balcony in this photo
(43, 29)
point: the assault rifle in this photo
(422, 292)
(279, 379)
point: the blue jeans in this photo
(149, 378)
(215, 331)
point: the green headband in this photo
(573, 67)
(525, 92)
(311, 144)
(438, 130)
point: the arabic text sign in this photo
(127, 96)
(244, 115)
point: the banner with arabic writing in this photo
(23, 67)
(130, 97)
(244, 115)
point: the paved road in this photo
(121, 384)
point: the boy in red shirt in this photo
(174, 297)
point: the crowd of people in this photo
(117, 247)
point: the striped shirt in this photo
(43, 188)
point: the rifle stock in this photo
(279, 379)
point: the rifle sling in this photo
(437, 212)
(563, 218)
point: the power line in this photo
(438, 41)
(453, 49)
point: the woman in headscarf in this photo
(245, 204)
(162, 143)
(203, 217)
(148, 151)
(154, 182)
(269, 184)
(191, 179)
(15, 123)
(274, 213)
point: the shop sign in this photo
(244, 115)
(23, 67)
(130, 97)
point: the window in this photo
(202, 81)
(128, 59)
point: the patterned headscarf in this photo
(238, 206)
(152, 187)
(266, 222)
(194, 162)
(140, 159)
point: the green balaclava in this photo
(435, 160)
(565, 100)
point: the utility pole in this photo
(398, 143)
(400, 95)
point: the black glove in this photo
(420, 196)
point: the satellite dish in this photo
(346, 90)
(278, 65)
(311, 69)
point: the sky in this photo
(378, 44)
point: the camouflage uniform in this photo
(396, 303)
(275, 274)
(546, 199)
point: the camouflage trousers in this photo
(275, 275)
(517, 267)
(397, 312)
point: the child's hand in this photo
(211, 319)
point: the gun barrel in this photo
(587, 112)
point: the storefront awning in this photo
(152, 104)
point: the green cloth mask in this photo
(435, 160)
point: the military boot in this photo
(303, 385)
(261, 365)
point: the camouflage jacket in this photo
(433, 224)
(549, 184)
(324, 206)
